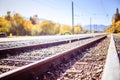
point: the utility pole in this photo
(72, 17)
(90, 26)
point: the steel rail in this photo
(42, 45)
(33, 70)
(112, 66)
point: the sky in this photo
(60, 11)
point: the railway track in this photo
(35, 67)
(21, 45)
(112, 65)
(90, 66)
(6, 43)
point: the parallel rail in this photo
(18, 49)
(33, 70)
(112, 65)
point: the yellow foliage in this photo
(65, 28)
(4, 25)
(118, 25)
(17, 25)
(115, 27)
(27, 25)
(57, 28)
(19, 20)
(47, 27)
(77, 29)
(36, 29)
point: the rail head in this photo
(112, 66)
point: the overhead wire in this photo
(101, 1)
(76, 6)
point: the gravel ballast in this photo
(38, 54)
(46, 52)
(89, 67)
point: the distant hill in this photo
(96, 27)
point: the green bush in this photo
(66, 33)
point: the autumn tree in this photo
(4, 25)
(17, 25)
(115, 26)
(27, 27)
(8, 16)
(36, 30)
(47, 27)
(56, 28)
(65, 29)
(116, 16)
(78, 29)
